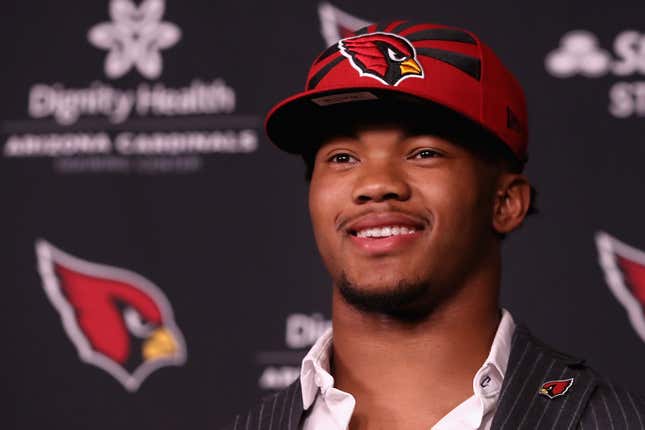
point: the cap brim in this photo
(300, 123)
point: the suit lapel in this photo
(530, 365)
(281, 411)
(295, 408)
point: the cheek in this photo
(325, 202)
(456, 200)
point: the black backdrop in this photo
(197, 201)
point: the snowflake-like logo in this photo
(134, 37)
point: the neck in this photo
(401, 371)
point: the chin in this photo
(397, 297)
(377, 284)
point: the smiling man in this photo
(415, 137)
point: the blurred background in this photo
(158, 269)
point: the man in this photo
(415, 136)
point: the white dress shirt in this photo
(333, 408)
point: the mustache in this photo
(344, 220)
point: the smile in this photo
(386, 231)
(378, 234)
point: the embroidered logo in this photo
(385, 57)
(557, 388)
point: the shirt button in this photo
(485, 382)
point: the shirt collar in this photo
(500, 350)
(314, 372)
(315, 376)
(488, 380)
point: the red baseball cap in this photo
(405, 65)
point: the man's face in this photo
(392, 211)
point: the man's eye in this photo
(341, 158)
(426, 153)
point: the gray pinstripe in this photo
(284, 406)
(510, 379)
(638, 415)
(275, 400)
(248, 420)
(260, 416)
(537, 425)
(293, 397)
(620, 405)
(595, 418)
(609, 416)
(510, 412)
(535, 398)
(580, 403)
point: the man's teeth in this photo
(384, 231)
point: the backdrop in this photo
(158, 269)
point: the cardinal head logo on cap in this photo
(386, 57)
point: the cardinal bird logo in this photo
(624, 268)
(553, 389)
(117, 319)
(386, 57)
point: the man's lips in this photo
(378, 220)
(384, 233)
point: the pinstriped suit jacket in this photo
(590, 403)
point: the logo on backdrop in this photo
(581, 54)
(279, 368)
(624, 268)
(336, 24)
(117, 319)
(148, 128)
(134, 37)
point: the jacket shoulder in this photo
(545, 388)
(275, 411)
(608, 406)
(614, 407)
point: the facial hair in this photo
(407, 301)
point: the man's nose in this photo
(378, 182)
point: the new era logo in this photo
(513, 122)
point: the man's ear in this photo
(512, 201)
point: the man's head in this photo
(415, 143)
(403, 218)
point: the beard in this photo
(406, 301)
